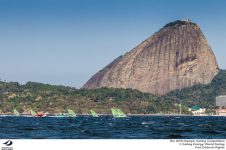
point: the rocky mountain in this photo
(175, 57)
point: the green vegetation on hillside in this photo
(57, 99)
(178, 22)
(202, 95)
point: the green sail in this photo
(71, 113)
(117, 113)
(33, 113)
(120, 113)
(114, 112)
(94, 114)
(16, 112)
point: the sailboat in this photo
(114, 112)
(39, 114)
(71, 113)
(33, 113)
(121, 113)
(117, 113)
(93, 113)
(16, 112)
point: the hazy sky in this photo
(67, 41)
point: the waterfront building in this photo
(197, 111)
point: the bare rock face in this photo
(175, 57)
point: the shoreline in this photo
(128, 115)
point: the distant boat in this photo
(117, 113)
(121, 113)
(93, 113)
(71, 113)
(39, 114)
(16, 112)
(33, 113)
(114, 112)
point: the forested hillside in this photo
(55, 99)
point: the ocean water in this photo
(107, 127)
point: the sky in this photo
(65, 42)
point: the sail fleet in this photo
(116, 113)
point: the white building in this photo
(197, 111)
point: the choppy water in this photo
(106, 127)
